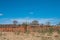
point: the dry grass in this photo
(30, 36)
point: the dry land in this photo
(29, 36)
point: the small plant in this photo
(58, 31)
(27, 32)
(51, 30)
(43, 31)
(17, 32)
(38, 31)
(49, 34)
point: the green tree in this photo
(15, 22)
(35, 22)
(51, 30)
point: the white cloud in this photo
(1, 14)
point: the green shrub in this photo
(51, 30)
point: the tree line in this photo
(34, 22)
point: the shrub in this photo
(51, 30)
(58, 31)
(27, 31)
(17, 32)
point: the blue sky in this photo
(41, 10)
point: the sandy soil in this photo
(30, 36)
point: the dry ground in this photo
(29, 36)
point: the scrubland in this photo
(29, 36)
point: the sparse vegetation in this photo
(58, 31)
(17, 32)
(51, 30)
(28, 31)
(46, 33)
